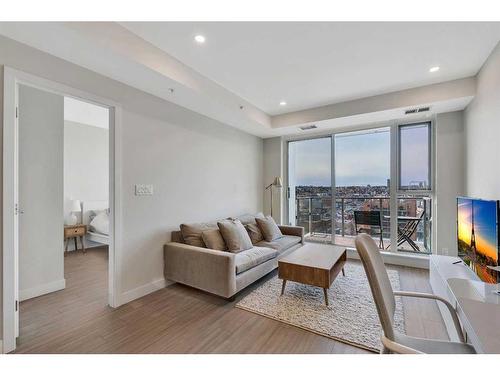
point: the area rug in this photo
(351, 316)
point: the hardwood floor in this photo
(179, 319)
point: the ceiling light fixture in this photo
(434, 69)
(199, 39)
(282, 103)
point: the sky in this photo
(415, 158)
(312, 160)
(361, 158)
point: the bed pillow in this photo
(213, 239)
(235, 235)
(100, 223)
(269, 228)
(94, 213)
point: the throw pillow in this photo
(269, 228)
(191, 233)
(235, 235)
(254, 232)
(213, 240)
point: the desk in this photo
(478, 307)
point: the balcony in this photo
(315, 215)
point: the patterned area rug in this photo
(351, 316)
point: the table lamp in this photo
(75, 207)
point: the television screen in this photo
(477, 227)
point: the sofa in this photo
(222, 272)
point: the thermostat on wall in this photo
(143, 189)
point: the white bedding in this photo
(100, 223)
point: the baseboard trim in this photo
(40, 290)
(143, 290)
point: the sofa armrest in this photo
(213, 271)
(292, 231)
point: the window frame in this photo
(395, 191)
(429, 189)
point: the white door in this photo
(40, 255)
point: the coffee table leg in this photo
(283, 287)
(343, 272)
(325, 291)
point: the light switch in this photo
(143, 189)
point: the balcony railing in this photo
(315, 215)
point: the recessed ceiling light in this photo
(199, 39)
(282, 103)
(434, 69)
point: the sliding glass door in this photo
(310, 188)
(362, 185)
(377, 181)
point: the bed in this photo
(96, 217)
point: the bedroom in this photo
(64, 222)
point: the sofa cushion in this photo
(235, 235)
(269, 228)
(191, 233)
(250, 218)
(281, 244)
(248, 259)
(213, 239)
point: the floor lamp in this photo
(276, 183)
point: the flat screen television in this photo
(478, 236)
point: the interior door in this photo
(40, 222)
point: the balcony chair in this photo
(371, 219)
(408, 229)
(383, 295)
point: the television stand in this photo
(477, 303)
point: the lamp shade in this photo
(277, 182)
(76, 206)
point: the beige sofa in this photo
(224, 273)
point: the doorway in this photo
(39, 212)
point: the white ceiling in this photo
(85, 113)
(314, 64)
(331, 74)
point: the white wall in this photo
(86, 164)
(273, 167)
(449, 180)
(201, 169)
(482, 130)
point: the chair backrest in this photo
(367, 218)
(378, 279)
(411, 227)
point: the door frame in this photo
(12, 79)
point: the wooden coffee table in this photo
(312, 264)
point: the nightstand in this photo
(74, 231)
